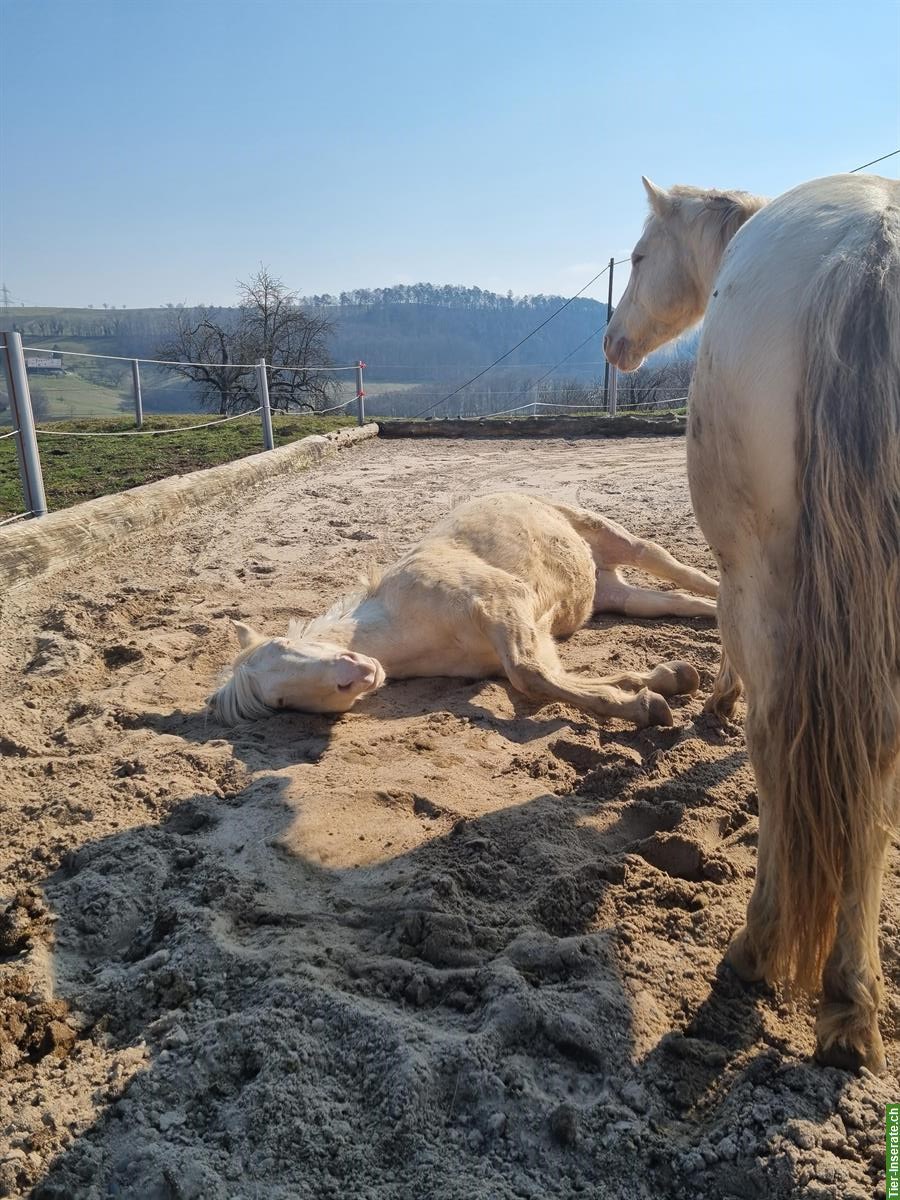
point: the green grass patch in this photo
(77, 469)
(70, 396)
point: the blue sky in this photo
(159, 150)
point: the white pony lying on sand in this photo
(484, 593)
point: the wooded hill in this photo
(421, 334)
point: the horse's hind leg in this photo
(613, 545)
(531, 664)
(847, 1033)
(613, 594)
(746, 953)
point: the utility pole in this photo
(609, 310)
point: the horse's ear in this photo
(245, 635)
(660, 201)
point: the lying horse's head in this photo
(271, 674)
(673, 268)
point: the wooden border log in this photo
(536, 427)
(65, 538)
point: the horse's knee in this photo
(528, 678)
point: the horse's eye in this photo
(636, 258)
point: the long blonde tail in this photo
(836, 726)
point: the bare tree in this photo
(268, 324)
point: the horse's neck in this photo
(708, 257)
(363, 626)
(713, 237)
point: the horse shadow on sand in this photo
(481, 1012)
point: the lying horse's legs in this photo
(726, 690)
(613, 545)
(669, 679)
(613, 594)
(531, 664)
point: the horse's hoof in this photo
(846, 1043)
(658, 712)
(687, 680)
(742, 960)
(721, 706)
(851, 1058)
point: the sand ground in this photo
(450, 945)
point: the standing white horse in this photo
(794, 465)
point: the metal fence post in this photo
(262, 385)
(360, 394)
(23, 420)
(613, 389)
(609, 313)
(138, 402)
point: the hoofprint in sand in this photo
(448, 945)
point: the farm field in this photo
(70, 396)
(77, 469)
(449, 946)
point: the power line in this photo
(537, 382)
(512, 350)
(873, 162)
(496, 361)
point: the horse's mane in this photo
(236, 699)
(303, 629)
(711, 211)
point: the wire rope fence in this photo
(30, 427)
(247, 386)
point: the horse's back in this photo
(754, 350)
(519, 535)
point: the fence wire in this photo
(168, 362)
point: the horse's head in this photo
(270, 674)
(673, 267)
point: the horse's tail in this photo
(837, 727)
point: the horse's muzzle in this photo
(620, 353)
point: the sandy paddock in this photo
(450, 945)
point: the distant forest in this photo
(425, 338)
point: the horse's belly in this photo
(466, 654)
(742, 424)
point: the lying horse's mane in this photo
(236, 699)
(300, 630)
